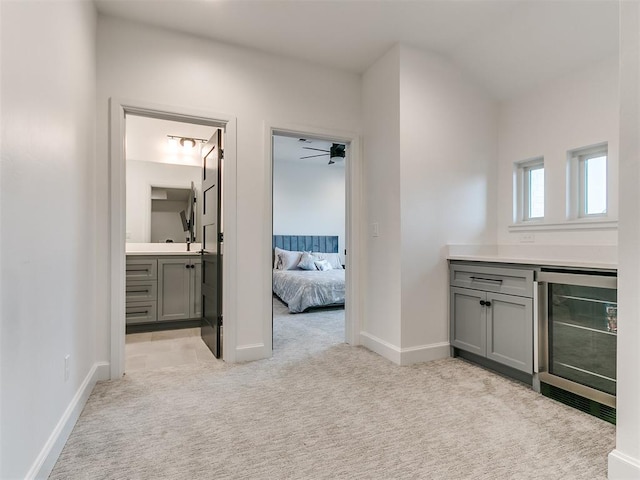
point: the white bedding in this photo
(303, 289)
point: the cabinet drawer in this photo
(142, 269)
(141, 291)
(140, 312)
(510, 281)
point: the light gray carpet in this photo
(321, 409)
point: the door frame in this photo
(353, 225)
(118, 108)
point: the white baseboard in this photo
(623, 467)
(249, 353)
(49, 454)
(381, 347)
(425, 353)
(405, 356)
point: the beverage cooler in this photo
(577, 339)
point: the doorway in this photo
(118, 111)
(346, 147)
(164, 218)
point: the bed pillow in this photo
(332, 258)
(323, 265)
(307, 261)
(287, 259)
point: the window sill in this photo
(569, 225)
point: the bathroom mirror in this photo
(173, 218)
(157, 193)
(164, 179)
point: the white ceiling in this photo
(147, 140)
(510, 46)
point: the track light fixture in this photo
(187, 143)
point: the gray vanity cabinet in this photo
(492, 314)
(179, 288)
(141, 290)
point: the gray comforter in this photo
(302, 289)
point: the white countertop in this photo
(579, 256)
(162, 249)
(160, 253)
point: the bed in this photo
(321, 284)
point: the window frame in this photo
(577, 178)
(522, 191)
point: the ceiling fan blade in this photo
(318, 149)
(312, 156)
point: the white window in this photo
(588, 182)
(529, 190)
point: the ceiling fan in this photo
(336, 152)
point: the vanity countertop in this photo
(158, 249)
(163, 253)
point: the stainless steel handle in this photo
(483, 279)
(582, 280)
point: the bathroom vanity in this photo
(163, 289)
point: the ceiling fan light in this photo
(336, 153)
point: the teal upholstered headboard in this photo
(307, 243)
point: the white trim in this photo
(622, 466)
(46, 459)
(249, 353)
(381, 347)
(353, 214)
(405, 356)
(117, 207)
(425, 353)
(582, 224)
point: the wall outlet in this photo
(67, 361)
(527, 238)
(375, 229)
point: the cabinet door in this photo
(468, 320)
(173, 289)
(510, 331)
(195, 303)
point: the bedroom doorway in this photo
(309, 205)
